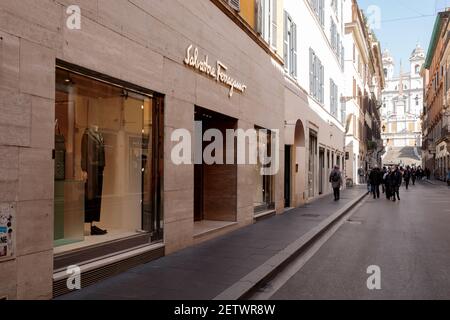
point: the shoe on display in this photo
(96, 231)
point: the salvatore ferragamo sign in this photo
(217, 72)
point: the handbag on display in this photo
(60, 154)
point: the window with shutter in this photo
(331, 96)
(338, 46)
(318, 7)
(333, 34)
(343, 112)
(290, 45)
(286, 41)
(316, 78)
(294, 50)
(336, 94)
(235, 4)
(311, 75)
(259, 17)
(322, 12)
(264, 9)
(334, 100)
(274, 26)
(322, 83)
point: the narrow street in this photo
(222, 150)
(409, 240)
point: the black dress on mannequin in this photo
(93, 163)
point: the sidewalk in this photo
(437, 182)
(207, 270)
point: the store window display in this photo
(263, 199)
(93, 164)
(104, 162)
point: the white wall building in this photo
(314, 65)
(356, 62)
(403, 102)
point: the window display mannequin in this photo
(93, 164)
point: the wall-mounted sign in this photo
(217, 72)
(6, 230)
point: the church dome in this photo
(418, 53)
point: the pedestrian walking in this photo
(428, 173)
(369, 185)
(413, 176)
(395, 181)
(407, 177)
(336, 182)
(387, 183)
(420, 173)
(375, 181)
(361, 175)
(383, 180)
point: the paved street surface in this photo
(409, 240)
(206, 270)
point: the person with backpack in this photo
(336, 182)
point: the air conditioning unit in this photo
(235, 4)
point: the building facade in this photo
(402, 107)
(314, 73)
(436, 111)
(115, 144)
(88, 115)
(364, 81)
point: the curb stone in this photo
(245, 285)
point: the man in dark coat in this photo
(336, 182)
(428, 173)
(413, 176)
(375, 180)
(407, 176)
(395, 181)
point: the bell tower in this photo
(388, 65)
(417, 59)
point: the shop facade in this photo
(442, 161)
(87, 176)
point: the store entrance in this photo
(287, 175)
(321, 170)
(215, 185)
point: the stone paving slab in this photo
(206, 270)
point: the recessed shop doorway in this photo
(321, 170)
(215, 185)
(312, 163)
(287, 175)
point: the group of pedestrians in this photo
(391, 179)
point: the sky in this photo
(403, 24)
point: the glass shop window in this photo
(263, 199)
(104, 170)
